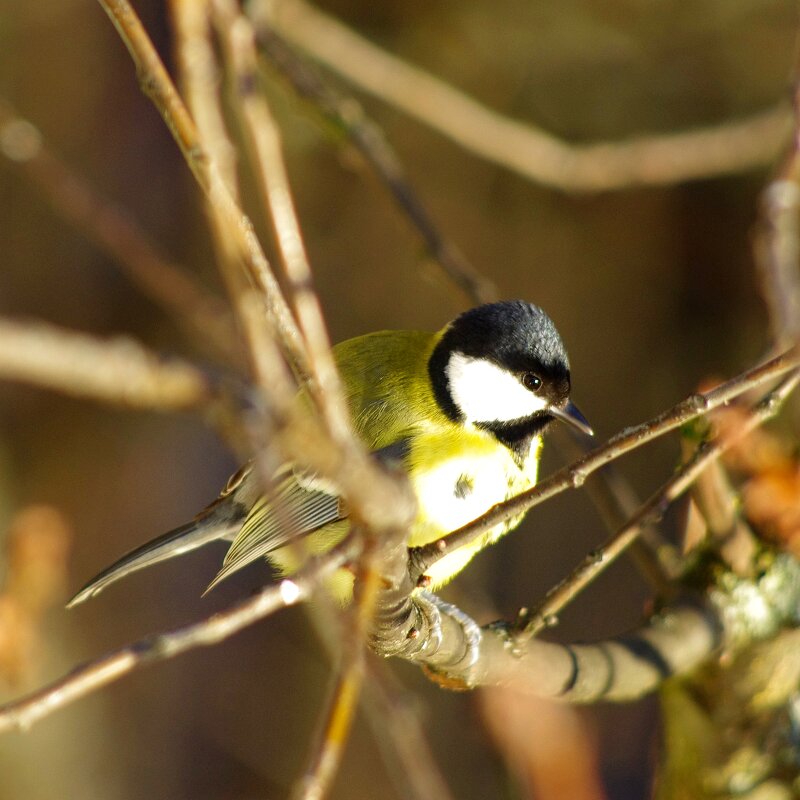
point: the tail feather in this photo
(173, 543)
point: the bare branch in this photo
(199, 71)
(529, 151)
(118, 371)
(210, 631)
(459, 655)
(618, 670)
(658, 561)
(374, 497)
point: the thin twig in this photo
(200, 75)
(347, 115)
(377, 499)
(652, 510)
(658, 561)
(574, 475)
(210, 631)
(728, 148)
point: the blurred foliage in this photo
(652, 290)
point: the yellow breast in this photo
(458, 475)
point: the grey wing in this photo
(295, 508)
(299, 504)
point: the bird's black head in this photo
(503, 368)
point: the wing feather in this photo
(289, 512)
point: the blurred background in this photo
(653, 290)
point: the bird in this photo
(462, 412)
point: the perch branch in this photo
(458, 654)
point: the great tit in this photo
(462, 410)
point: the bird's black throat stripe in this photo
(517, 435)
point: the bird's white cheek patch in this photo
(484, 392)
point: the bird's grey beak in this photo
(572, 416)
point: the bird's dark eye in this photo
(531, 382)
